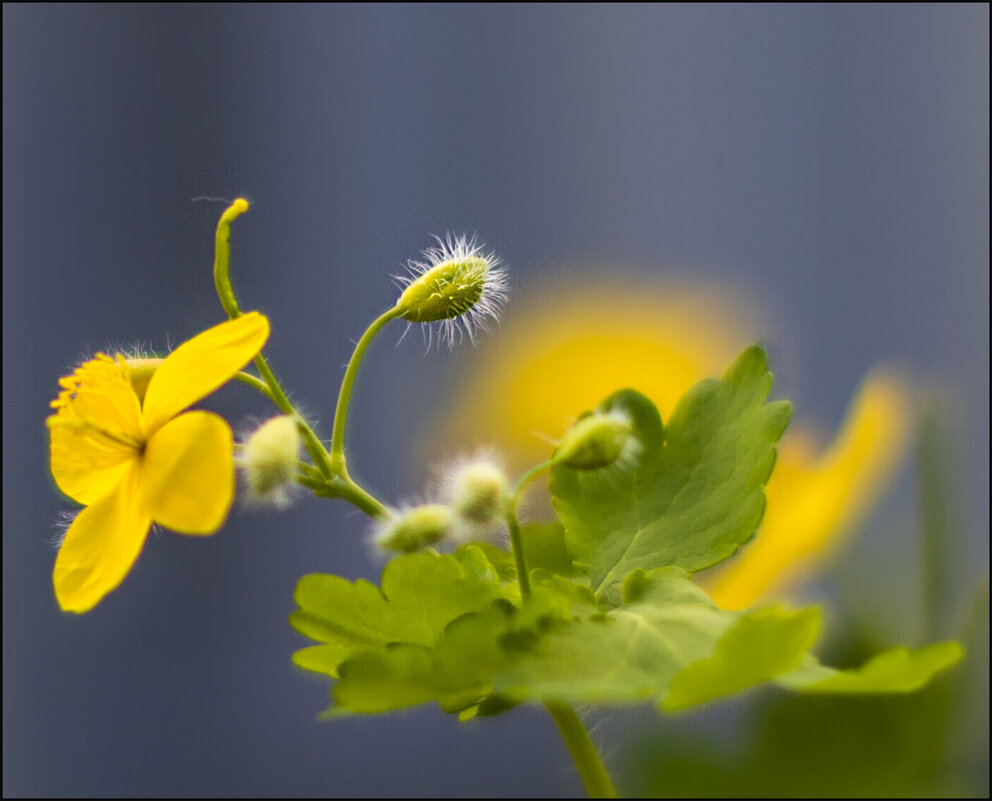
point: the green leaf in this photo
(897, 670)
(623, 655)
(460, 671)
(668, 643)
(544, 549)
(456, 673)
(421, 593)
(563, 647)
(695, 492)
(756, 648)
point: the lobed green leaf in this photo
(897, 670)
(693, 495)
(758, 647)
(668, 640)
(421, 593)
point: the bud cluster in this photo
(474, 494)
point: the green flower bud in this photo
(457, 286)
(419, 527)
(597, 440)
(477, 490)
(269, 458)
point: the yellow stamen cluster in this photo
(96, 394)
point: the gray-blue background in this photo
(832, 160)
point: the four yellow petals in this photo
(122, 446)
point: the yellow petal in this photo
(187, 475)
(565, 352)
(86, 465)
(199, 366)
(812, 508)
(100, 547)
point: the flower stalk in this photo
(592, 771)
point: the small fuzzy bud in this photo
(269, 458)
(477, 491)
(597, 440)
(420, 527)
(457, 285)
(445, 291)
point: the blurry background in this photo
(830, 163)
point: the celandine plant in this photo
(597, 607)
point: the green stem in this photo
(341, 413)
(257, 384)
(518, 551)
(310, 440)
(516, 542)
(222, 257)
(337, 483)
(580, 745)
(345, 487)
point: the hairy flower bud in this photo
(268, 458)
(419, 527)
(458, 284)
(477, 490)
(597, 440)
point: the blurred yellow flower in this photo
(120, 447)
(565, 352)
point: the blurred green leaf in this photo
(930, 743)
(897, 670)
(757, 647)
(563, 647)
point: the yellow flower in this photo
(566, 352)
(121, 447)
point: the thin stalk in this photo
(341, 412)
(257, 384)
(337, 483)
(592, 771)
(347, 488)
(310, 440)
(518, 551)
(516, 543)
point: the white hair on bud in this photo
(466, 317)
(267, 458)
(475, 486)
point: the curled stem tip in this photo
(222, 257)
(236, 209)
